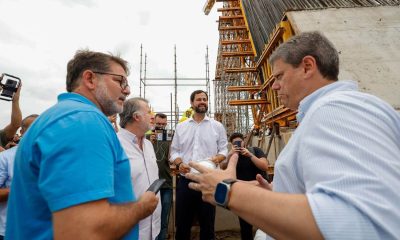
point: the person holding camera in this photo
(161, 148)
(251, 162)
(8, 132)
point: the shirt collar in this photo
(206, 118)
(308, 101)
(75, 97)
(131, 136)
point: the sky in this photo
(38, 38)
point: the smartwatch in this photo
(221, 195)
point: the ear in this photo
(309, 65)
(88, 79)
(135, 116)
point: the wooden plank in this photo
(272, 43)
(240, 70)
(237, 54)
(266, 83)
(233, 28)
(247, 102)
(228, 9)
(230, 17)
(240, 41)
(243, 88)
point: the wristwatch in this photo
(222, 192)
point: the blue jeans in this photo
(166, 201)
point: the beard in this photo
(108, 106)
(197, 109)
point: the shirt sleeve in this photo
(79, 148)
(175, 149)
(349, 164)
(222, 141)
(259, 152)
(3, 169)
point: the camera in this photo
(9, 85)
(161, 133)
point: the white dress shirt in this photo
(196, 141)
(144, 171)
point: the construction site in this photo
(249, 31)
(365, 32)
(286, 127)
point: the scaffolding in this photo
(250, 30)
(174, 82)
(237, 81)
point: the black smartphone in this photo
(237, 144)
(156, 185)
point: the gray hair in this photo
(310, 44)
(131, 106)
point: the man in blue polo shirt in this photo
(72, 177)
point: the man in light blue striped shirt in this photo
(339, 175)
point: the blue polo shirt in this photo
(69, 156)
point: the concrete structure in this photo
(368, 42)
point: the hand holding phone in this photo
(156, 185)
(237, 144)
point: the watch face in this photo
(221, 193)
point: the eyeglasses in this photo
(123, 81)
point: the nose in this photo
(275, 85)
(126, 91)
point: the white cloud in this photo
(37, 38)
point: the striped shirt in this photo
(345, 156)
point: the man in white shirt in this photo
(135, 122)
(6, 173)
(196, 139)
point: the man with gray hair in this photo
(135, 122)
(338, 176)
(71, 178)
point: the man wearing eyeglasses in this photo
(72, 177)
